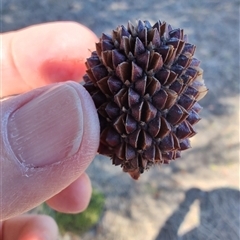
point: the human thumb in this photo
(48, 136)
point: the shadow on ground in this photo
(219, 216)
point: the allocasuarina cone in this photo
(145, 84)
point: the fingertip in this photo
(39, 227)
(43, 54)
(26, 227)
(71, 44)
(91, 131)
(91, 126)
(49, 176)
(73, 199)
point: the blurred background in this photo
(197, 196)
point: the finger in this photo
(49, 136)
(43, 54)
(73, 199)
(26, 227)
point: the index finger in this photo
(43, 54)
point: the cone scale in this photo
(146, 84)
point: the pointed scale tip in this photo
(135, 174)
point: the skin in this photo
(41, 56)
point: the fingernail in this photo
(48, 128)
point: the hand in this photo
(49, 135)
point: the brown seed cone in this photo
(145, 84)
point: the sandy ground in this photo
(196, 197)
